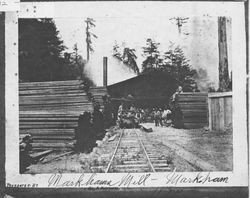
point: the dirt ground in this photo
(191, 150)
(209, 150)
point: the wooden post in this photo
(223, 55)
(105, 71)
(209, 113)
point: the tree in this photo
(173, 63)
(176, 64)
(152, 55)
(74, 68)
(180, 21)
(224, 81)
(127, 56)
(42, 55)
(117, 52)
(129, 59)
(40, 50)
(89, 24)
(75, 49)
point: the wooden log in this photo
(36, 134)
(52, 141)
(50, 92)
(50, 83)
(37, 126)
(76, 112)
(66, 119)
(51, 145)
(180, 98)
(53, 137)
(46, 116)
(39, 149)
(195, 121)
(47, 126)
(38, 155)
(190, 109)
(30, 101)
(194, 93)
(56, 105)
(53, 95)
(192, 100)
(57, 157)
(45, 87)
(194, 105)
(73, 111)
(57, 108)
(193, 112)
(48, 132)
(59, 95)
(52, 86)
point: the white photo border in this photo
(235, 10)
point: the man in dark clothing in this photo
(177, 115)
(158, 117)
(79, 136)
(98, 122)
(84, 133)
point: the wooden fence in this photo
(220, 110)
(194, 109)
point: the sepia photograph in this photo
(110, 95)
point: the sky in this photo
(198, 39)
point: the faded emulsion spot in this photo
(14, 43)
(15, 74)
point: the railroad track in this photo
(134, 152)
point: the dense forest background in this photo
(43, 56)
(172, 63)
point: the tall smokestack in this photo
(105, 71)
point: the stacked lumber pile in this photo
(194, 108)
(49, 112)
(97, 94)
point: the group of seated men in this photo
(132, 117)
